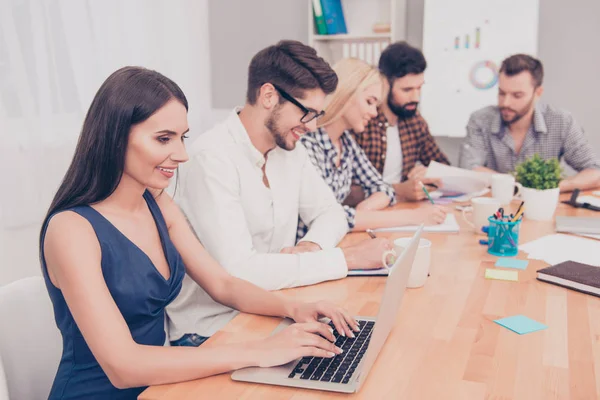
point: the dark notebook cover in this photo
(585, 277)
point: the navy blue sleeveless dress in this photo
(138, 289)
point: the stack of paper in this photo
(558, 248)
(449, 225)
(457, 179)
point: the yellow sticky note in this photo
(502, 275)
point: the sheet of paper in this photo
(502, 275)
(457, 179)
(469, 196)
(512, 263)
(593, 200)
(558, 248)
(521, 324)
(449, 225)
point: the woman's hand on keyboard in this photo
(310, 339)
(309, 312)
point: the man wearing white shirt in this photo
(247, 182)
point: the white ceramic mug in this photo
(482, 208)
(420, 267)
(503, 188)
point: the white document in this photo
(457, 179)
(558, 248)
(449, 225)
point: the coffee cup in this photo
(420, 268)
(504, 188)
(482, 208)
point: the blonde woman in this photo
(341, 161)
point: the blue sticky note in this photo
(512, 263)
(520, 324)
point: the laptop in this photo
(345, 372)
(578, 224)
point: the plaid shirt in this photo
(354, 166)
(552, 134)
(416, 142)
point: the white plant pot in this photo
(540, 204)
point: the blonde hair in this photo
(354, 75)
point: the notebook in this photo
(450, 225)
(369, 272)
(573, 275)
(578, 225)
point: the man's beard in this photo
(518, 114)
(279, 137)
(401, 111)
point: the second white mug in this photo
(504, 188)
(420, 267)
(482, 208)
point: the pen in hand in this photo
(371, 234)
(426, 193)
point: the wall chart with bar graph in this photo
(464, 42)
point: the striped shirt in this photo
(553, 134)
(354, 166)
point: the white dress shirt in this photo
(244, 225)
(392, 167)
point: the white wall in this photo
(568, 48)
(53, 58)
(180, 49)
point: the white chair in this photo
(30, 342)
(3, 385)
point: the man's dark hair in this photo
(292, 66)
(518, 63)
(400, 59)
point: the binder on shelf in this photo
(334, 17)
(319, 19)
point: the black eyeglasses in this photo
(309, 113)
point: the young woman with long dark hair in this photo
(114, 249)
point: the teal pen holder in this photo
(503, 237)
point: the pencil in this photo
(426, 193)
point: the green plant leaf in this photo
(537, 173)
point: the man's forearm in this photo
(377, 201)
(356, 196)
(584, 180)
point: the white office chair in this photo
(30, 342)
(3, 385)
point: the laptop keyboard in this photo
(340, 368)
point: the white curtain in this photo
(54, 55)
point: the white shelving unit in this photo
(360, 41)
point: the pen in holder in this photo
(503, 237)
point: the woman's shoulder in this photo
(65, 221)
(68, 232)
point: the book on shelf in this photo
(334, 17)
(319, 19)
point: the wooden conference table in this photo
(445, 344)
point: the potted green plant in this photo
(540, 179)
